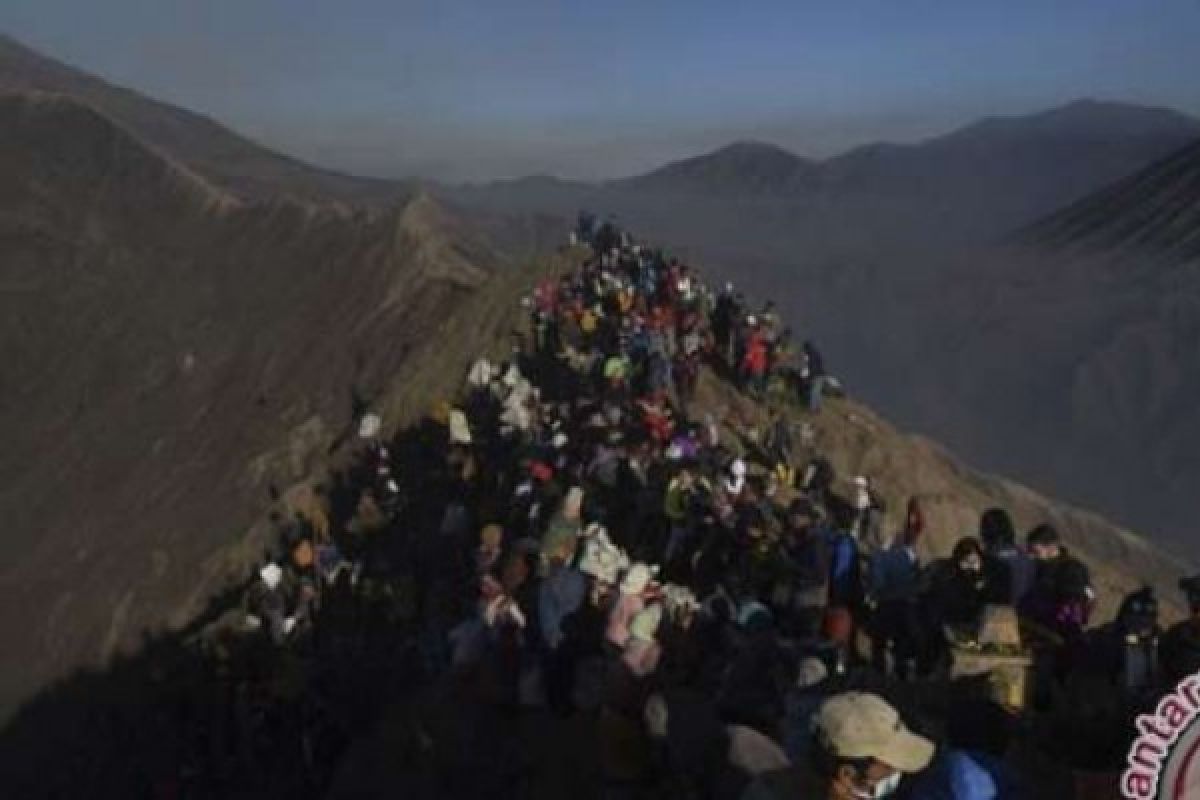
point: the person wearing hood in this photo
(1179, 648)
(958, 588)
(1126, 649)
(861, 751)
(955, 597)
(1008, 570)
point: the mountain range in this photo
(901, 261)
(190, 321)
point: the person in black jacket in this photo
(956, 595)
(1179, 648)
(1008, 570)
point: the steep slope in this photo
(172, 351)
(1153, 213)
(233, 161)
(857, 441)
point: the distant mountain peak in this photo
(745, 166)
(1083, 116)
(755, 148)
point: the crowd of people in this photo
(580, 536)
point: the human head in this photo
(1043, 543)
(811, 673)
(491, 537)
(838, 625)
(800, 514)
(996, 529)
(968, 555)
(1138, 613)
(863, 747)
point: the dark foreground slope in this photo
(227, 158)
(170, 353)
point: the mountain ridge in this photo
(240, 164)
(166, 342)
(1155, 211)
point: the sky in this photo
(481, 90)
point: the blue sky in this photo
(469, 90)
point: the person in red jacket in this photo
(754, 363)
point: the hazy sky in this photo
(467, 90)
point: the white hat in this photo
(679, 599)
(751, 320)
(729, 286)
(738, 468)
(636, 579)
(812, 671)
(862, 481)
(481, 373)
(601, 558)
(272, 575)
(369, 425)
(559, 441)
